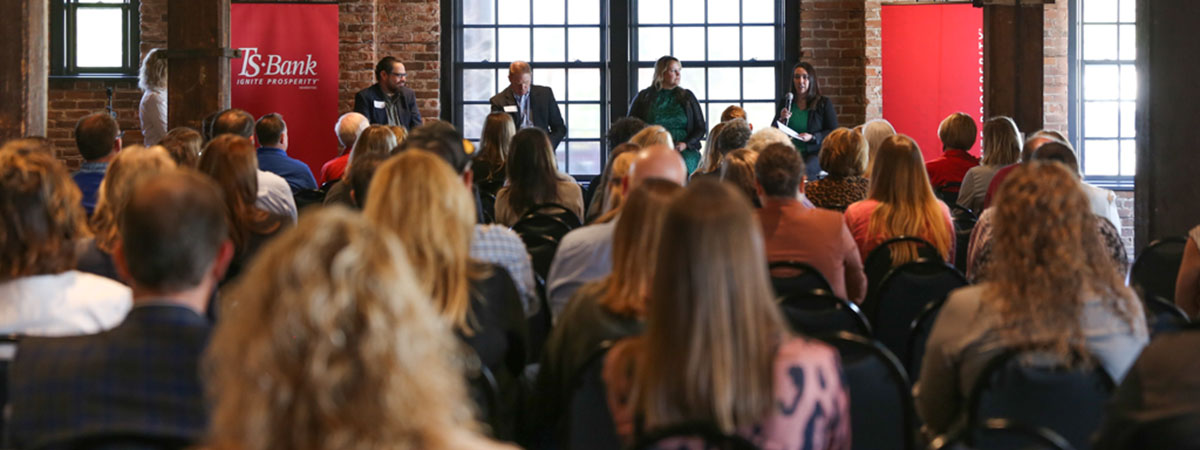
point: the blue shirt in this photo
(88, 179)
(298, 175)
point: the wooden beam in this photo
(197, 36)
(25, 68)
(1013, 63)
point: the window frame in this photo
(1076, 99)
(63, 37)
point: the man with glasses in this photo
(389, 101)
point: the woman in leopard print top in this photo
(844, 157)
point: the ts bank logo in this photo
(300, 72)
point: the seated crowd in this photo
(211, 290)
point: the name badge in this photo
(510, 109)
(379, 104)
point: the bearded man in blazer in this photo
(389, 101)
(529, 105)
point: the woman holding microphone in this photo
(808, 114)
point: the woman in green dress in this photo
(809, 114)
(675, 108)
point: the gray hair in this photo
(348, 127)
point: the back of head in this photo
(844, 153)
(1001, 142)
(401, 134)
(442, 139)
(360, 177)
(907, 206)
(737, 168)
(232, 161)
(183, 144)
(331, 323)
(532, 170)
(767, 136)
(779, 170)
(715, 301)
(623, 130)
(348, 127)
(1060, 152)
(958, 131)
(171, 229)
(734, 135)
(233, 121)
(733, 112)
(132, 167)
(376, 140)
(42, 215)
(635, 241)
(269, 129)
(29, 145)
(713, 151)
(495, 140)
(1037, 139)
(658, 161)
(875, 131)
(153, 73)
(95, 135)
(652, 135)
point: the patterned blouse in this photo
(836, 193)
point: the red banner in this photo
(932, 67)
(289, 65)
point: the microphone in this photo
(788, 100)
(109, 106)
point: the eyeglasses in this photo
(401, 74)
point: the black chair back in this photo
(1155, 269)
(881, 404)
(964, 224)
(903, 294)
(796, 277)
(308, 197)
(879, 261)
(692, 436)
(542, 228)
(589, 423)
(819, 312)
(947, 192)
(918, 336)
(1029, 387)
(484, 390)
(1003, 434)
(1162, 316)
(8, 350)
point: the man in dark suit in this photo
(389, 101)
(140, 379)
(529, 105)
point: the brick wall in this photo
(833, 37)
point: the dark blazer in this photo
(821, 120)
(364, 103)
(139, 378)
(543, 106)
(696, 126)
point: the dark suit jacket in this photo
(139, 378)
(544, 108)
(364, 103)
(821, 120)
(696, 126)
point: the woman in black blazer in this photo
(675, 108)
(810, 114)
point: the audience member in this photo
(1001, 147)
(712, 157)
(1156, 403)
(875, 131)
(616, 195)
(347, 128)
(533, 179)
(619, 133)
(957, 133)
(152, 109)
(765, 137)
(25, 145)
(608, 183)
(795, 232)
(273, 194)
(1187, 283)
(585, 254)
(488, 163)
(716, 349)
(184, 145)
(376, 140)
(360, 179)
(737, 169)
(844, 157)
(331, 342)
(417, 196)
(272, 134)
(1080, 308)
(735, 112)
(127, 171)
(652, 135)
(98, 138)
(141, 379)
(734, 135)
(1103, 201)
(43, 219)
(1031, 143)
(900, 203)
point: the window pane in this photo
(1128, 113)
(479, 44)
(473, 118)
(555, 79)
(1128, 157)
(585, 121)
(758, 83)
(551, 44)
(560, 157)
(687, 12)
(1128, 10)
(723, 44)
(724, 83)
(583, 44)
(1100, 119)
(689, 43)
(584, 84)
(482, 12)
(758, 11)
(1128, 42)
(583, 12)
(585, 158)
(758, 44)
(514, 12)
(1099, 10)
(1100, 82)
(693, 79)
(760, 114)
(653, 43)
(723, 11)
(479, 85)
(98, 37)
(654, 11)
(645, 77)
(514, 44)
(714, 113)
(1099, 42)
(550, 12)
(1101, 158)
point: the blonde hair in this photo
(400, 132)
(712, 326)
(417, 195)
(907, 206)
(153, 73)
(130, 168)
(875, 131)
(1001, 142)
(957, 131)
(661, 67)
(376, 139)
(329, 344)
(43, 216)
(1048, 260)
(738, 168)
(844, 153)
(494, 142)
(652, 135)
(616, 196)
(635, 241)
(712, 155)
(767, 136)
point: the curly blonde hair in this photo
(43, 216)
(132, 166)
(1048, 260)
(329, 344)
(153, 73)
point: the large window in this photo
(97, 37)
(1107, 89)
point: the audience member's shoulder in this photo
(98, 287)
(799, 348)
(496, 233)
(861, 208)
